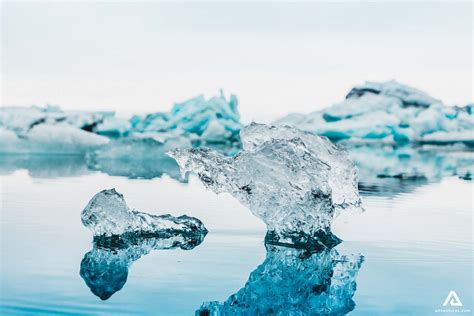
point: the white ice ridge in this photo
(107, 214)
(294, 181)
(389, 112)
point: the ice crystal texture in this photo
(389, 112)
(294, 282)
(105, 268)
(294, 181)
(107, 214)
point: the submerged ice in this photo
(107, 214)
(294, 282)
(294, 181)
(389, 112)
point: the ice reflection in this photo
(294, 281)
(104, 269)
(388, 170)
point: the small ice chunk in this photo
(107, 214)
(294, 282)
(294, 181)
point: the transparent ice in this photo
(294, 181)
(107, 214)
(294, 282)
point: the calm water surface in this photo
(416, 245)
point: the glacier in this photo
(104, 269)
(294, 282)
(389, 112)
(107, 214)
(294, 181)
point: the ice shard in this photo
(294, 282)
(389, 112)
(107, 214)
(105, 268)
(294, 181)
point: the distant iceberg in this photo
(389, 112)
(294, 181)
(202, 121)
(196, 122)
(294, 282)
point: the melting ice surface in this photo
(389, 112)
(105, 267)
(294, 282)
(294, 181)
(107, 214)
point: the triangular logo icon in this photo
(452, 299)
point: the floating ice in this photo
(105, 267)
(294, 181)
(389, 112)
(107, 214)
(49, 130)
(202, 121)
(294, 282)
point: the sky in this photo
(276, 57)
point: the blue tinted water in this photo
(416, 245)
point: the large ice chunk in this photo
(294, 181)
(107, 214)
(105, 268)
(388, 112)
(294, 282)
(202, 121)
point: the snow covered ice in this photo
(389, 112)
(107, 214)
(294, 282)
(105, 268)
(294, 181)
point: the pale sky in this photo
(277, 58)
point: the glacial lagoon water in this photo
(414, 242)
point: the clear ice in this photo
(389, 112)
(294, 181)
(107, 214)
(294, 282)
(105, 268)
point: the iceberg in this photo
(49, 130)
(389, 112)
(202, 121)
(294, 282)
(294, 181)
(104, 269)
(107, 214)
